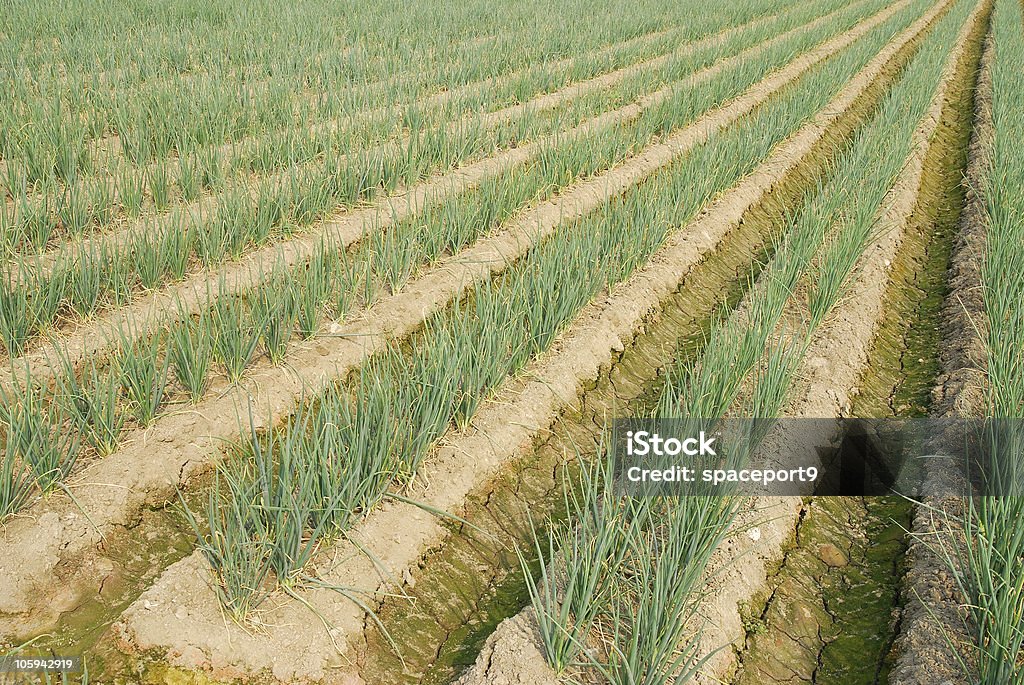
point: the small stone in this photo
(192, 657)
(181, 614)
(832, 555)
(754, 534)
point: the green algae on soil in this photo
(133, 558)
(831, 612)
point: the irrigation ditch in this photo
(924, 644)
(134, 557)
(793, 637)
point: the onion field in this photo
(319, 322)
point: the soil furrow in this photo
(840, 353)
(55, 547)
(864, 588)
(397, 534)
(832, 608)
(922, 647)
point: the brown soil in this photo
(511, 656)
(186, 626)
(933, 614)
(49, 554)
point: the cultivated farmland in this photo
(316, 319)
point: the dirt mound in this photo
(511, 656)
